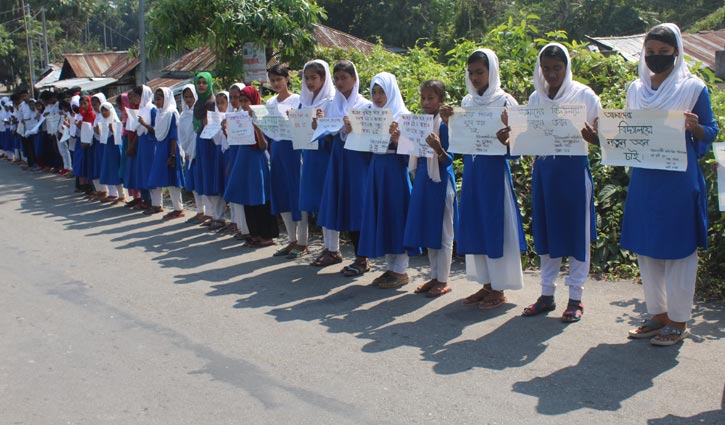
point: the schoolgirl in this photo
(87, 150)
(432, 214)
(145, 141)
(249, 182)
(187, 143)
(220, 141)
(97, 149)
(665, 214)
(142, 197)
(387, 192)
(489, 232)
(563, 216)
(111, 162)
(166, 168)
(238, 222)
(285, 164)
(342, 194)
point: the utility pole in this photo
(142, 41)
(27, 47)
(45, 38)
(105, 45)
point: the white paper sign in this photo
(86, 133)
(240, 130)
(719, 149)
(20, 129)
(327, 126)
(52, 123)
(132, 119)
(273, 123)
(213, 124)
(300, 121)
(370, 130)
(117, 131)
(103, 133)
(473, 131)
(64, 133)
(547, 130)
(643, 139)
(414, 129)
(36, 128)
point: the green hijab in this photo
(200, 107)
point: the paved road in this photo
(111, 317)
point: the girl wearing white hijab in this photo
(166, 168)
(489, 230)
(146, 142)
(110, 176)
(342, 194)
(238, 222)
(98, 148)
(665, 214)
(187, 143)
(387, 192)
(317, 92)
(564, 219)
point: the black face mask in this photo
(659, 63)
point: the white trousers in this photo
(116, 190)
(331, 239)
(157, 197)
(669, 285)
(397, 263)
(98, 186)
(297, 231)
(65, 154)
(238, 217)
(214, 206)
(578, 270)
(199, 202)
(440, 259)
(505, 272)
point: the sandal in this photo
(327, 258)
(174, 214)
(476, 298)
(492, 300)
(426, 287)
(438, 289)
(153, 210)
(573, 313)
(664, 339)
(647, 329)
(240, 237)
(540, 306)
(196, 218)
(382, 277)
(297, 252)
(108, 199)
(391, 281)
(216, 225)
(282, 252)
(357, 268)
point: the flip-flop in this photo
(476, 298)
(667, 331)
(654, 329)
(426, 287)
(437, 290)
(492, 300)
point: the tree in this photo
(284, 26)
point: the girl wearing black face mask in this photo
(665, 214)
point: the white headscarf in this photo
(341, 104)
(389, 85)
(186, 123)
(219, 138)
(240, 86)
(166, 115)
(113, 117)
(99, 118)
(75, 101)
(494, 94)
(679, 91)
(144, 108)
(225, 94)
(326, 93)
(570, 92)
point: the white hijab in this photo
(239, 86)
(144, 108)
(494, 94)
(570, 92)
(341, 104)
(166, 115)
(326, 93)
(113, 117)
(679, 91)
(99, 117)
(219, 138)
(186, 123)
(389, 85)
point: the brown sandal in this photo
(438, 289)
(327, 258)
(475, 299)
(492, 300)
(424, 288)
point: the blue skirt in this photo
(249, 177)
(145, 150)
(480, 229)
(314, 168)
(385, 208)
(79, 162)
(208, 168)
(110, 164)
(285, 178)
(161, 175)
(343, 192)
(559, 206)
(99, 148)
(124, 159)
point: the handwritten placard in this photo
(327, 126)
(719, 149)
(117, 132)
(547, 130)
(643, 139)
(414, 129)
(36, 128)
(271, 121)
(103, 133)
(370, 130)
(213, 124)
(132, 120)
(52, 122)
(65, 133)
(473, 131)
(240, 130)
(300, 122)
(86, 133)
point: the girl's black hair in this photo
(279, 69)
(317, 68)
(345, 66)
(437, 86)
(138, 90)
(663, 34)
(555, 52)
(64, 104)
(478, 56)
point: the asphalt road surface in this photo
(111, 317)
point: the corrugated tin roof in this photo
(199, 59)
(629, 46)
(89, 65)
(83, 83)
(122, 67)
(330, 37)
(51, 77)
(173, 83)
